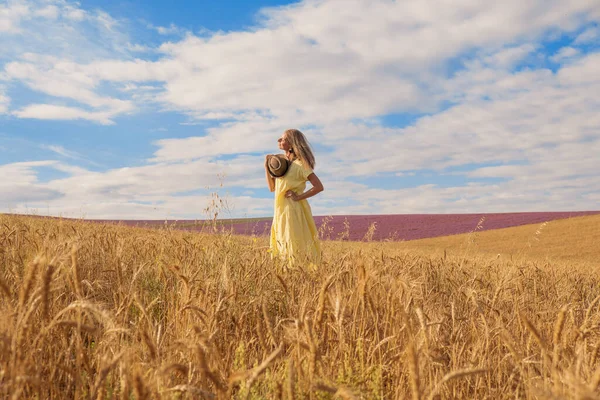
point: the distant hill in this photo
(574, 239)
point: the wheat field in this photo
(91, 311)
(571, 240)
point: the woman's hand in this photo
(317, 188)
(290, 194)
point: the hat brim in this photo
(282, 170)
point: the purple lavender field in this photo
(409, 226)
(394, 227)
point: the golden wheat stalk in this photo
(454, 375)
(412, 360)
(104, 373)
(339, 391)
(256, 372)
(5, 289)
(208, 372)
(194, 391)
(534, 332)
(29, 281)
(321, 304)
(76, 274)
(267, 320)
(558, 328)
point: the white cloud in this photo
(581, 73)
(19, 185)
(105, 20)
(54, 112)
(544, 135)
(74, 14)
(50, 12)
(528, 193)
(22, 171)
(508, 57)
(152, 191)
(380, 68)
(11, 14)
(19, 16)
(60, 150)
(170, 30)
(4, 101)
(60, 29)
(139, 48)
(233, 138)
(588, 36)
(48, 40)
(525, 111)
(62, 79)
(564, 54)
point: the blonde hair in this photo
(300, 147)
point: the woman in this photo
(293, 233)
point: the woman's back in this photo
(294, 179)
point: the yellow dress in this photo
(294, 234)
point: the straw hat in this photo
(277, 165)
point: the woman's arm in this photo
(317, 187)
(270, 179)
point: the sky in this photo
(165, 110)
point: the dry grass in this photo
(99, 311)
(572, 240)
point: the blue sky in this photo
(142, 110)
(194, 16)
